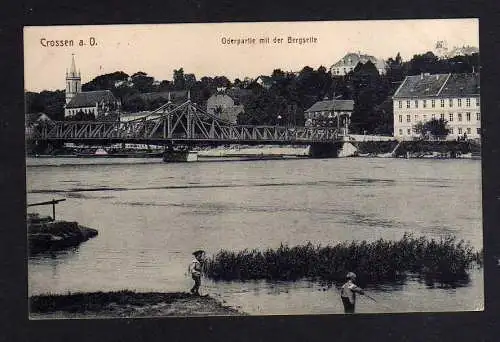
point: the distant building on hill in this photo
(330, 112)
(98, 103)
(264, 81)
(350, 60)
(441, 50)
(454, 98)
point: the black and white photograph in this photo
(253, 169)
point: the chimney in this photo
(473, 70)
(421, 75)
(437, 77)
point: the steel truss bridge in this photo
(185, 124)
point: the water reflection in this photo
(56, 255)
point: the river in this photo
(152, 215)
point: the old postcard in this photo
(284, 168)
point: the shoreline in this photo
(126, 303)
(242, 153)
(384, 148)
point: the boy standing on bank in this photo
(348, 293)
(195, 271)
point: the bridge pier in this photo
(173, 155)
(325, 150)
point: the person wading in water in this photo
(195, 271)
(348, 293)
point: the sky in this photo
(202, 49)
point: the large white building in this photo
(351, 60)
(452, 97)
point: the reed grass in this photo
(446, 260)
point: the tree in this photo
(277, 75)
(142, 82)
(427, 62)
(189, 80)
(238, 83)
(418, 128)
(264, 109)
(179, 80)
(134, 103)
(82, 116)
(385, 118)
(166, 85)
(436, 128)
(221, 81)
(48, 102)
(369, 90)
(105, 82)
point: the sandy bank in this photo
(267, 150)
(125, 304)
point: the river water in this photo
(152, 215)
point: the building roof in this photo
(332, 105)
(218, 97)
(164, 95)
(352, 59)
(461, 84)
(90, 98)
(438, 85)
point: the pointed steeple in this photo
(73, 67)
(73, 81)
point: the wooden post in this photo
(53, 202)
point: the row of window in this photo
(86, 111)
(324, 115)
(346, 70)
(460, 130)
(433, 103)
(450, 118)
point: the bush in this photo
(447, 260)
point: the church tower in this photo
(73, 81)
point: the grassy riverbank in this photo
(125, 304)
(446, 261)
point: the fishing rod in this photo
(364, 294)
(379, 303)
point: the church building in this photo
(99, 102)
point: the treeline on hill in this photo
(287, 96)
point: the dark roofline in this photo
(438, 95)
(330, 102)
